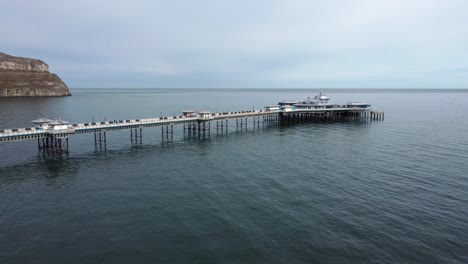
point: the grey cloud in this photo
(361, 43)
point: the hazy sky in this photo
(243, 43)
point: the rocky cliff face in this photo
(28, 77)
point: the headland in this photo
(28, 77)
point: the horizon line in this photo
(264, 88)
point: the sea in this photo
(344, 191)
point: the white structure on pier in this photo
(58, 124)
(41, 123)
(188, 113)
(205, 115)
(272, 107)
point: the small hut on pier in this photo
(58, 125)
(205, 115)
(41, 123)
(188, 113)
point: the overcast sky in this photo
(243, 43)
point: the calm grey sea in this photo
(325, 192)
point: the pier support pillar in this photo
(53, 143)
(100, 136)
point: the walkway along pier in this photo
(53, 135)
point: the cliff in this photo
(28, 77)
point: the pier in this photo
(53, 135)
